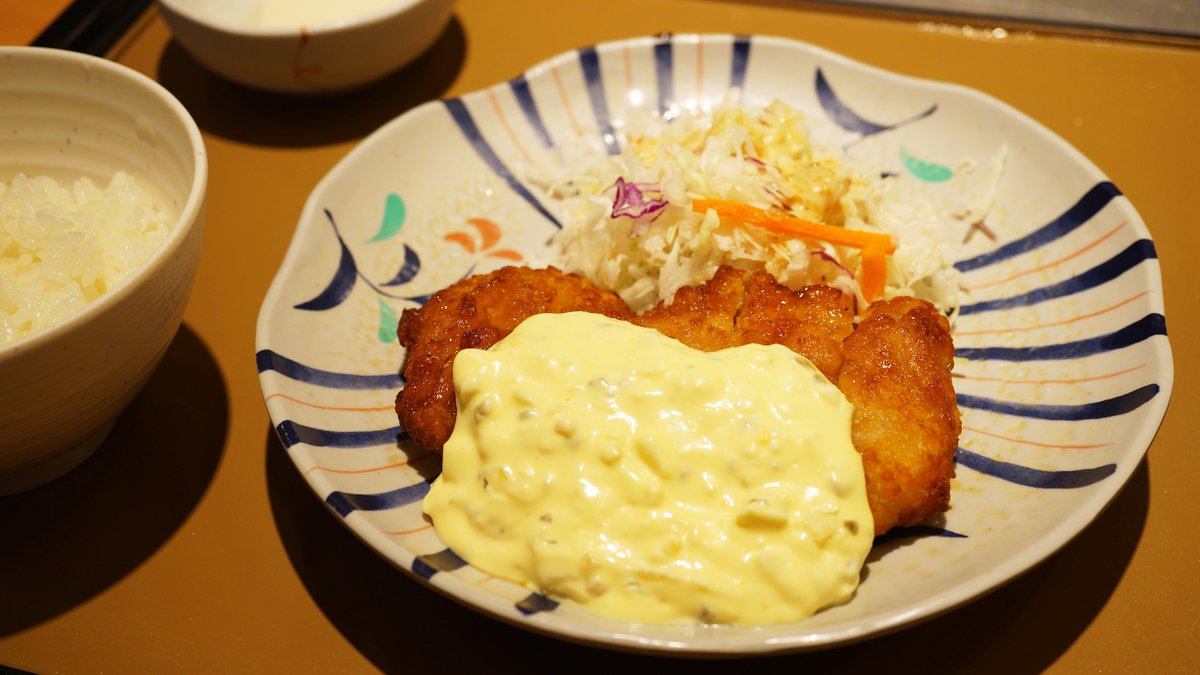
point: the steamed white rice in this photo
(63, 247)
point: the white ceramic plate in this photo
(1065, 369)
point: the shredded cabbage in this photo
(629, 224)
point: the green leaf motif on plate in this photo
(393, 218)
(926, 171)
(387, 322)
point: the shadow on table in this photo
(402, 626)
(66, 542)
(251, 116)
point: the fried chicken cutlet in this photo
(896, 372)
(733, 309)
(476, 313)
(894, 368)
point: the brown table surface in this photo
(212, 555)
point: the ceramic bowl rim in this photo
(188, 217)
(325, 28)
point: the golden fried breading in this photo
(736, 308)
(896, 373)
(894, 367)
(477, 312)
(701, 317)
(812, 321)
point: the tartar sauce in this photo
(608, 464)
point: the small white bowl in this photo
(229, 38)
(68, 115)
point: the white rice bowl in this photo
(63, 247)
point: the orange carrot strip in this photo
(874, 272)
(779, 222)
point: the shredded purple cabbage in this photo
(778, 195)
(825, 256)
(632, 202)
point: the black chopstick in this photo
(91, 26)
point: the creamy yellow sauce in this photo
(605, 463)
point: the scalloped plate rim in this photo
(1053, 539)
